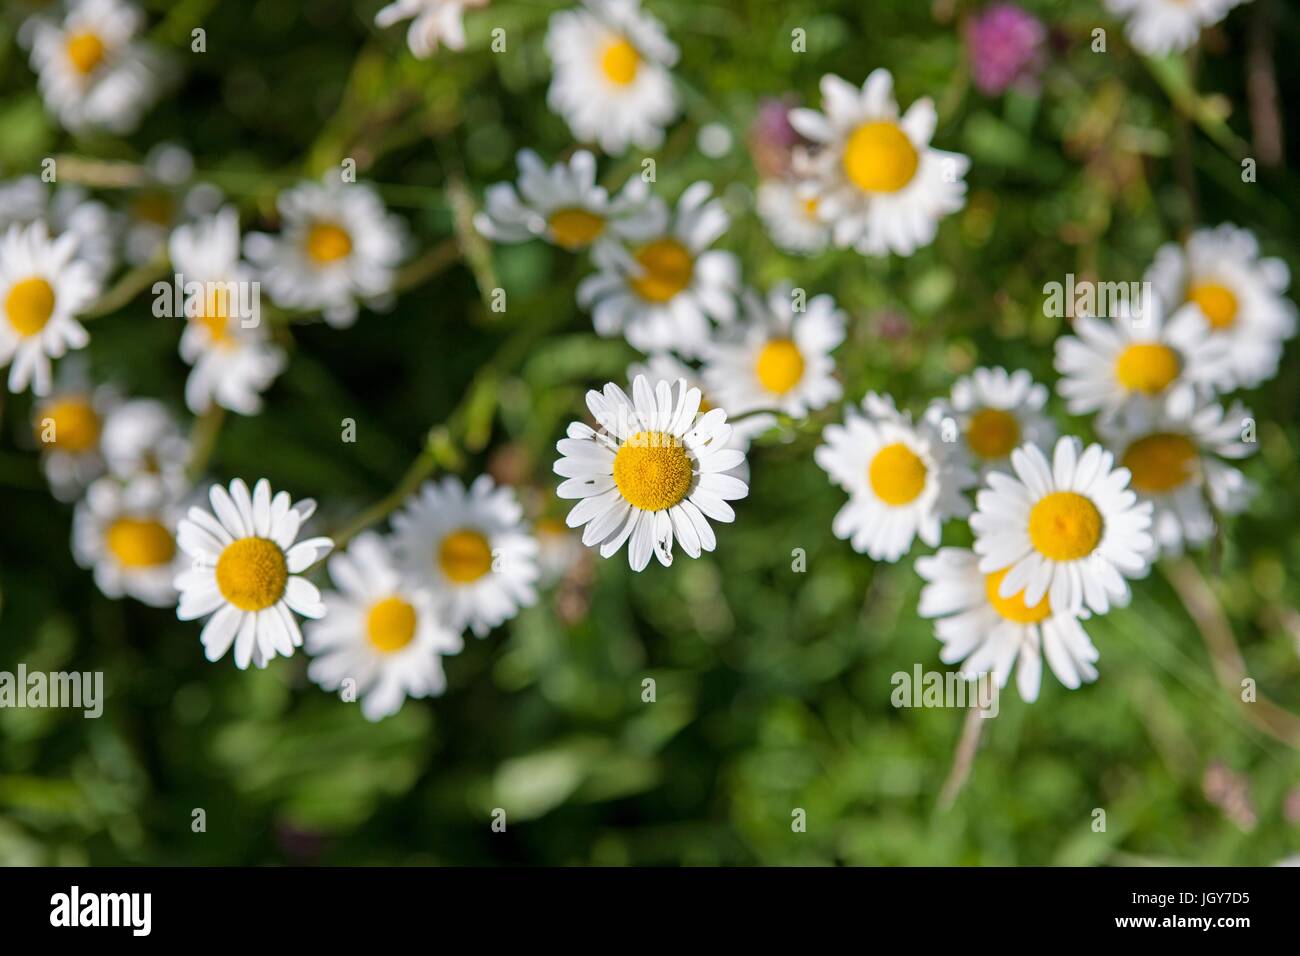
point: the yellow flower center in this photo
(897, 474)
(1217, 302)
(390, 625)
(252, 573)
(1161, 462)
(575, 228)
(75, 424)
(666, 270)
(1014, 607)
(810, 207)
(779, 366)
(1064, 526)
(993, 433)
(619, 62)
(327, 243)
(879, 158)
(85, 52)
(652, 470)
(465, 556)
(215, 316)
(29, 305)
(140, 542)
(1147, 367)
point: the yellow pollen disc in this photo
(779, 366)
(75, 424)
(465, 556)
(252, 573)
(390, 624)
(619, 62)
(993, 433)
(215, 317)
(1217, 302)
(85, 52)
(29, 305)
(327, 243)
(666, 270)
(1014, 607)
(897, 474)
(575, 228)
(1065, 526)
(1161, 462)
(810, 207)
(140, 542)
(1147, 367)
(879, 158)
(652, 471)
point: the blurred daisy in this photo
(432, 22)
(1240, 293)
(142, 437)
(65, 210)
(781, 358)
(994, 413)
(42, 287)
(1071, 529)
(903, 481)
(69, 424)
(611, 81)
(656, 470)
(564, 206)
(246, 570)
(472, 548)
(378, 632)
(789, 212)
(559, 550)
(168, 201)
(879, 184)
(1159, 27)
(662, 293)
(338, 247)
(123, 530)
(990, 634)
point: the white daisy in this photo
(1071, 529)
(124, 531)
(65, 209)
(432, 22)
(990, 634)
(338, 247)
(378, 632)
(662, 293)
(666, 367)
(166, 202)
(472, 548)
(564, 206)
(1160, 27)
(656, 470)
(559, 550)
(142, 437)
(789, 211)
(994, 412)
(69, 425)
(43, 286)
(879, 184)
(903, 480)
(1241, 294)
(611, 82)
(246, 572)
(780, 358)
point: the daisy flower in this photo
(611, 82)
(903, 481)
(245, 572)
(142, 437)
(1160, 27)
(432, 22)
(879, 184)
(995, 412)
(1241, 294)
(662, 293)
(69, 424)
(123, 530)
(667, 367)
(988, 633)
(65, 210)
(789, 212)
(472, 548)
(42, 287)
(1071, 529)
(378, 631)
(564, 206)
(166, 202)
(780, 359)
(338, 247)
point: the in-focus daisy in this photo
(780, 358)
(68, 425)
(43, 286)
(662, 293)
(65, 209)
(472, 548)
(994, 412)
(1160, 27)
(564, 206)
(245, 572)
(990, 634)
(879, 184)
(338, 247)
(378, 631)
(611, 82)
(123, 530)
(432, 22)
(142, 437)
(1175, 454)
(789, 211)
(1071, 529)
(656, 470)
(1240, 293)
(903, 480)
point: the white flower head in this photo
(789, 211)
(142, 437)
(1161, 27)
(432, 22)
(69, 425)
(123, 530)
(65, 210)
(994, 412)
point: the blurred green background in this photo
(772, 686)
